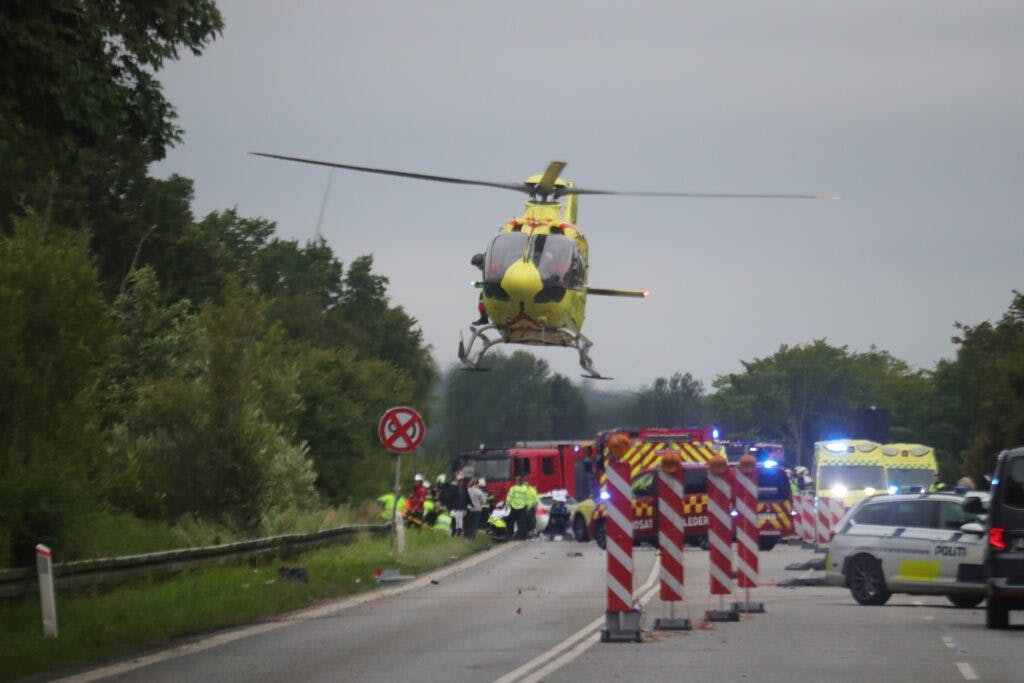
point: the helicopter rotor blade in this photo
(546, 186)
(517, 187)
(697, 195)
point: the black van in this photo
(1004, 556)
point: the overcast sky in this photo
(912, 111)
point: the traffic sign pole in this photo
(401, 430)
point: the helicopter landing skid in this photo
(583, 346)
(471, 360)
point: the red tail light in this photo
(996, 539)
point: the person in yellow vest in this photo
(388, 501)
(518, 500)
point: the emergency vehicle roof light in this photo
(769, 464)
(714, 433)
(604, 495)
(836, 446)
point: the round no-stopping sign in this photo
(401, 429)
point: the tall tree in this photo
(982, 391)
(673, 402)
(516, 400)
(52, 332)
(82, 114)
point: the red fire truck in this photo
(548, 465)
(774, 508)
(696, 446)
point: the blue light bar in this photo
(604, 495)
(768, 464)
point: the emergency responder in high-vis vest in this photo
(518, 501)
(937, 484)
(388, 501)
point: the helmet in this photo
(418, 477)
(481, 481)
(441, 479)
(800, 469)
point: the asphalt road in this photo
(532, 611)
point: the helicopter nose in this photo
(522, 281)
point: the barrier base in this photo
(721, 615)
(678, 624)
(821, 549)
(748, 607)
(621, 627)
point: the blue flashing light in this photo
(836, 446)
(714, 433)
(734, 514)
(604, 495)
(995, 481)
(576, 448)
(769, 464)
(893, 489)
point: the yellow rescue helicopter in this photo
(534, 282)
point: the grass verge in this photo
(101, 623)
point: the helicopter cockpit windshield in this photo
(505, 249)
(558, 260)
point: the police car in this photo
(924, 543)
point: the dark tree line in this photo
(156, 364)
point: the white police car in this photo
(909, 543)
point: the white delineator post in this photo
(47, 596)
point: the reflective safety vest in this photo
(443, 522)
(534, 498)
(518, 497)
(388, 501)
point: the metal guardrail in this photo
(22, 580)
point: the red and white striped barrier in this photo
(746, 531)
(824, 518)
(622, 621)
(670, 543)
(835, 513)
(807, 517)
(720, 538)
(798, 516)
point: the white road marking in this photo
(588, 634)
(967, 671)
(558, 663)
(949, 642)
(303, 615)
(929, 618)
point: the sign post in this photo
(400, 430)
